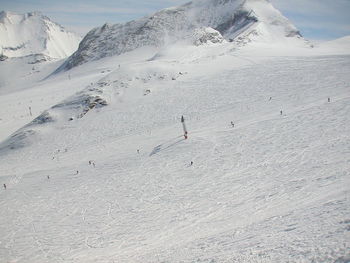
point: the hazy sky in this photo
(316, 19)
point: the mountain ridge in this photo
(238, 21)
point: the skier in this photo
(270, 98)
(191, 163)
(48, 177)
(281, 112)
(5, 186)
(138, 151)
(329, 99)
(77, 172)
(233, 125)
(184, 127)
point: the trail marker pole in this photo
(184, 127)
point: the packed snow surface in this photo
(273, 188)
(32, 33)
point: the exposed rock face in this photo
(207, 35)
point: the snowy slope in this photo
(337, 46)
(275, 188)
(32, 33)
(240, 21)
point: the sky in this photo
(316, 19)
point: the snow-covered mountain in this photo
(95, 167)
(34, 34)
(238, 21)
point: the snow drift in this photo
(337, 46)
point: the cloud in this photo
(94, 9)
(81, 16)
(317, 18)
(328, 10)
(80, 30)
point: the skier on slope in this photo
(184, 127)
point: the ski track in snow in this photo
(272, 189)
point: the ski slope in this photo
(273, 188)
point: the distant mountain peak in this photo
(33, 34)
(238, 21)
